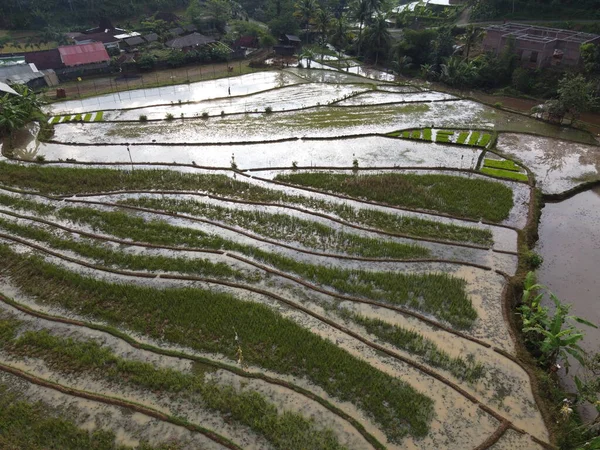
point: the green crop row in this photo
(286, 431)
(111, 258)
(204, 320)
(506, 164)
(462, 137)
(510, 174)
(413, 342)
(474, 138)
(485, 140)
(287, 228)
(58, 180)
(39, 426)
(440, 295)
(466, 197)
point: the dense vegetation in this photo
(206, 320)
(37, 426)
(465, 197)
(286, 431)
(68, 181)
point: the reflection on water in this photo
(570, 245)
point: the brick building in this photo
(538, 46)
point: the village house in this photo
(539, 46)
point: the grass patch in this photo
(38, 426)
(465, 369)
(506, 164)
(472, 198)
(286, 431)
(462, 137)
(509, 174)
(72, 180)
(205, 320)
(99, 116)
(287, 228)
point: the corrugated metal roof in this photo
(6, 88)
(19, 73)
(74, 55)
(191, 40)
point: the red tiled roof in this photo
(74, 55)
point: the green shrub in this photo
(143, 118)
(533, 260)
(268, 110)
(40, 158)
(169, 116)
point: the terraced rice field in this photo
(307, 278)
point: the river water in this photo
(570, 245)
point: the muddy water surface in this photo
(569, 243)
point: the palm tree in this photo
(305, 12)
(471, 37)
(378, 38)
(339, 35)
(362, 13)
(323, 23)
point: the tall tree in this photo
(377, 38)
(305, 11)
(361, 11)
(472, 35)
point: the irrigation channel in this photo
(320, 260)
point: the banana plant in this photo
(556, 337)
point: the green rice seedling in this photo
(111, 258)
(413, 342)
(66, 119)
(427, 134)
(415, 134)
(55, 120)
(485, 140)
(510, 174)
(506, 164)
(442, 138)
(77, 118)
(203, 320)
(99, 116)
(449, 303)
(462, 137)
(406, 134)
(474, 138)
(38, 426)
(287, 228)
(461, 196)
(60, 180)
(87, 117)
(286, 430)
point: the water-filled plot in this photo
(330, 277)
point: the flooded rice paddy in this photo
(433, 326)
